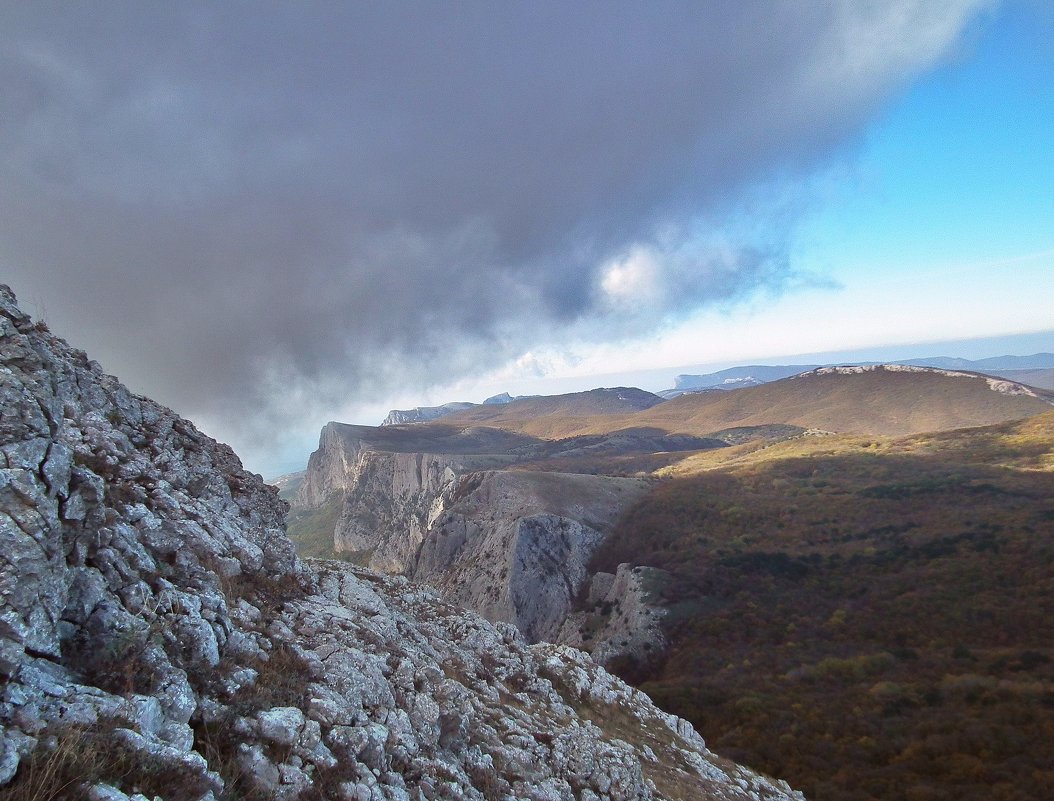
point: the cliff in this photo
(423, 414)
(510, 544)
(515, 545)
(159, 638)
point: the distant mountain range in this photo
(1036, 370)
(1039, 368)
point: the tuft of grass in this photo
(69, 759)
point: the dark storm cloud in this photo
(253, 210)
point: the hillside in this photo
(909, 582)
(533, 415)
(1012, 367)
(161, 639)
(878, 400)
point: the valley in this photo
(160, 638)
(845, 578)
(546, 401)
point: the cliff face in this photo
(330, 469)
(512, 545)
(515, 545)
(620, 619)
(159, 638)
(394, 500)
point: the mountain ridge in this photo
(160, 638)
(762, 374)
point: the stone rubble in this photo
(159, 638)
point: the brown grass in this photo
(875, 402)
(69, 759)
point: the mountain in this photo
(386, 496)
(737, 377)
(876, 399)
(752, 568)
(869, 399)
(424, 414)
(530, 415)
(1041, 378)
(288, 484)
(1037, 361)
(160, 638)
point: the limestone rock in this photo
(620, 619)
(159, 639)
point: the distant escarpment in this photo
(160, 639)
(424, 414)
(444, 505)
(502, 506)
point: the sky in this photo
(270, 215)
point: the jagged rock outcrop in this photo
(512, 545)
(621, 620)
(515, 545)
(159, 638)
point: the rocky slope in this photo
(511, 545)
(515, 545)
(159, 638)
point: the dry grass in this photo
(874, 403)
(69, 759)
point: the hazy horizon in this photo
(658, 379)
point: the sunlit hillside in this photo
(876, 401)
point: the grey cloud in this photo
(228, 201)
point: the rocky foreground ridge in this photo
(160, 639)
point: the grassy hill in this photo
(876, 401)
(869, 617)
(544, 416)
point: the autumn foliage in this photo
(867, 618)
